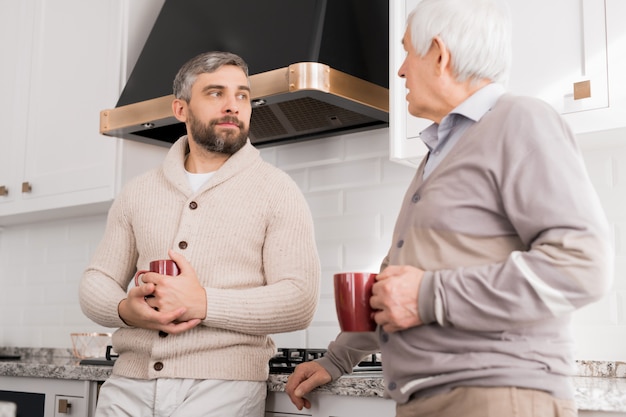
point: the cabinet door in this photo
(348, 406)
(14, 69)
(70, 406)
(71, 73)
(560, 53)
(405, 145)
(328, 405)
(50, 397)
(75, 73)
(278, 404)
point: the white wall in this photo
(354, 192)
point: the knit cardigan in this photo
(513, 239)
(249, 235)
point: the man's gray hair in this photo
(477, 33)
(207, 62)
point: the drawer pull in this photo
(26, 187)
(582, 90)
(4, 190)
(64, 406)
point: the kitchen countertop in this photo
(599, 385)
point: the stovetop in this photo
(287, 359)
(108, 360)
(284, 362)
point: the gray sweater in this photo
(249, 235)
(513, 239)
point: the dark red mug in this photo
(160, 266)
(353, 291)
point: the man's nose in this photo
(402, 71)
(231, 106)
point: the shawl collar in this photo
(174, 165)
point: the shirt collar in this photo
(473, 108)
(479, 103)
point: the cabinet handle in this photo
(64, 406)
(582, 89)
(4, 190)
(26, 187)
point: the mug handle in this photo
(141, 272)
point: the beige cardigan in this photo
(250, 238)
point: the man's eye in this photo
(243, 96)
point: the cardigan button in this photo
(193, 205)
(182, 244)
(162, 333)
(158, 366)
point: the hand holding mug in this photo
(160, 266)
(183, 299)
(396, 297)
(184, 291)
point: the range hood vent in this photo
(318, 68)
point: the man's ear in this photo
(179, 108)
(443, 59)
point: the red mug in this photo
(353, 291)
(160, 266)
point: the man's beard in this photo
(227, 142)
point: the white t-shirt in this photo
(198, 180)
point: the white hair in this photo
(476, 32)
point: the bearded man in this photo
(242, 235)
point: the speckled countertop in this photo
(600, 385)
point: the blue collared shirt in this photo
(441, 138)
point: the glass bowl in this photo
(90, 345)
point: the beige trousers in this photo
(488, 402)
(180, 398)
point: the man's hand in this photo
(305, 378)
(172, 293)
(395, 296)
(170, 304)
(136, 312)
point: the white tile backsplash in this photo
(354, 192)
(326, 203)
(360, 173)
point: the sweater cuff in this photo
(122, 323)
(331, 368)
(426, 298)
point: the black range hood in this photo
(318, 68)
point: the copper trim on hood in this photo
(275, 94)
(320, 72)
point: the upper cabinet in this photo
(405, 146)
(63, 62)
(566, 52)
(10, 51)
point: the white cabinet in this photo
(568, 53)
(62, 62)
(560, 54)
(10, 68)
(59, 397)
(405, 145)
(327, 405)
(67, 59)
